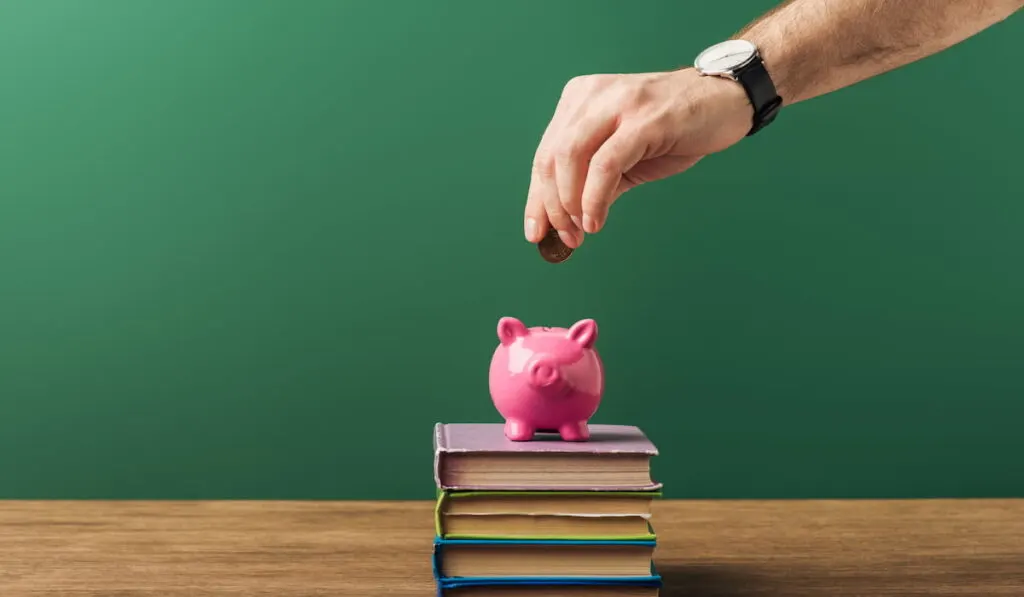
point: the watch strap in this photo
(761, 91)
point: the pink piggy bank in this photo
(546, 379)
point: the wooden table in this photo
(706, 549)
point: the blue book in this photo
(465, 563)
(552, 587)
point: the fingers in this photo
(569, 175)
(535, 224)
(560, 171)
(579, 132)
(573, 152)
(623, 150)
(544, 208)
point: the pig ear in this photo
(584, 332)
(510, 328)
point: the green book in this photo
(566, 515)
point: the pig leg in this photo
(575, 432)
(518, 431)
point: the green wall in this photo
(255, 249)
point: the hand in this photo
(611, 133)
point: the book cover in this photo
(489, 438)
(445, 495)
(445, 584)
(653, 579)
(441, 545)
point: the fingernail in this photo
(576, 221)
(531, 229)
(567, 238)
(588, 224)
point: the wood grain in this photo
(706, 549)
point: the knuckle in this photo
(634, 96)
(589, 84)
(567, 153)
(544, 165)
(606, 165)
(534, 204)
(574, 85)
(558, 217)
(594, 204)
(561, 222)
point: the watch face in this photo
(725, 57)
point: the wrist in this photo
(730, 101)
(739, 61)
(712, 113)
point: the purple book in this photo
(478, 456)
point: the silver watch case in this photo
(726, 58)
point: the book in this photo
(611, 515)
(478, 456)
(649, 586)
(653, 579)
(539, 558)
(547, 590)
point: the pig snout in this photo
(544, 373)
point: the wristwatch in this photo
(740, 61)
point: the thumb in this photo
(657, 168)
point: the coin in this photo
(552, 249)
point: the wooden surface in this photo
(706, 549)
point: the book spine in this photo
(440, 445)
(438, 513)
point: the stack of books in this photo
(545, 517)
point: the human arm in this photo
(814, 47)
(611, 133)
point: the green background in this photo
(255, 249)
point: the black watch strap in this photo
(761, 90)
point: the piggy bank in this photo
(546, 379)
